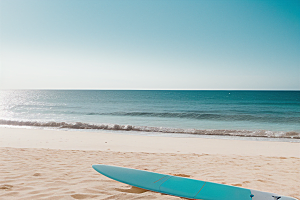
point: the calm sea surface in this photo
(266, 114)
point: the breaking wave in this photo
(208, 116)
(117, 127)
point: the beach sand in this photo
(50, 164)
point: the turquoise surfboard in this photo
(183, 187)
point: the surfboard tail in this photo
(259, 195)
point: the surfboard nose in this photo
(138, 178)
(97, 167)
(104, 169)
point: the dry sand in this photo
(47, 164)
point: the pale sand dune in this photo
(28, 170)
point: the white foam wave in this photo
(116, 127)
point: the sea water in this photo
(263, 114)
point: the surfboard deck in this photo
(183, 187)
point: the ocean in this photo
(244, 114)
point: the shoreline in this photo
(79, 140)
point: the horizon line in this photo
(159, 89)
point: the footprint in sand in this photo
(82, 196)
(181, 175)
(238, 185)
(5, 187)
(261, 180)
(132, 190)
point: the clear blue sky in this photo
(150, 44)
